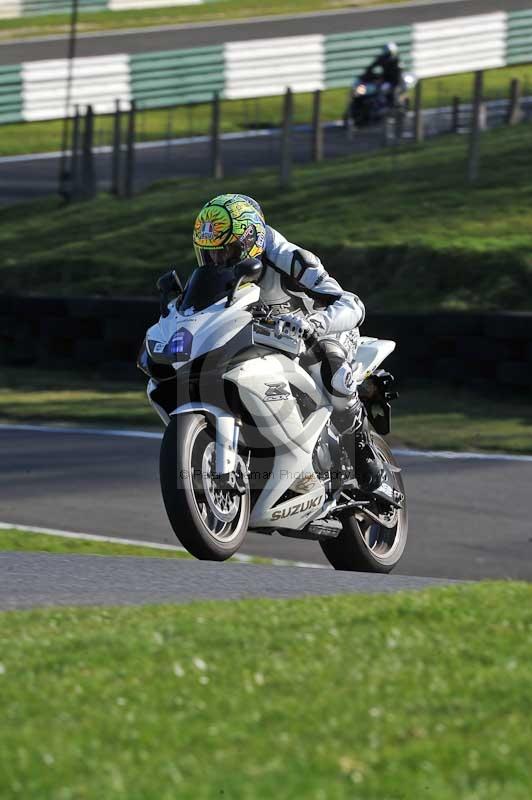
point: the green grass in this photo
(428, 417)
(57, 24)
(34, 137)
(39, 396)
(415, 695)
(401, 228)
(27, 542)
(23, 541)
(444, 418)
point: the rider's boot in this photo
(356, 439)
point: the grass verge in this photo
(24, 541)
(213, 11)
(428, 417)
(14, 540)
(401, 228)
(237, 115)
(423, 694)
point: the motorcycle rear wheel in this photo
(208, 518)
(363, 545)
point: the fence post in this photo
(514, 112)
(455, 115)
(476, 125)
(75, 154)
(130, 152)
(286, 140)
(216, 150)
(117, 148)
(88, 177)
(317, 128)
(419, 133)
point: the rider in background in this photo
(386, 68)
(305, 302)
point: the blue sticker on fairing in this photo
(180, 345)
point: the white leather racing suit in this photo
(295, 280)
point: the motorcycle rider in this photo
(386, 68)
(305, 302)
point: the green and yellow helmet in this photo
(228, 229)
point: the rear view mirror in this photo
(169, 286)
(249, 269)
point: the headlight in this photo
(360, 90)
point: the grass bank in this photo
(238, 115)
(428, 417)
(401, 228)
(213, 11)
(423, 694)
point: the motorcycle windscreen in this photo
(206, 286)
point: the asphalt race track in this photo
(205, 34)
(43, 579)
(469, 518)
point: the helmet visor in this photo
(221, 257)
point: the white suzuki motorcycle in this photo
(249, 441)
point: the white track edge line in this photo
(400, 451)
(94, 537)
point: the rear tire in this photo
(364, 546)
(210, 522)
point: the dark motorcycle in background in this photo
(372, 100)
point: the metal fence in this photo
(133, 159)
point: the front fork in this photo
(227, 434)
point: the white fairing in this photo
(211, 328)
(265, 388)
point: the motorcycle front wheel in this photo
(208, 513)
(365, 545)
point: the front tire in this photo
(363, 545)
(209, 519)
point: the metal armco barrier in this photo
(348, 54)
(262, 67)
(177, 77)
(463, 347)
(10, 94)
(519, 37)
(459, 45)
(97, 81)
(269, 66)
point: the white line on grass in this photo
(457, 456)
(401, 451)
(92, 431)
(93, 537)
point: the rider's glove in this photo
(300, 327)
